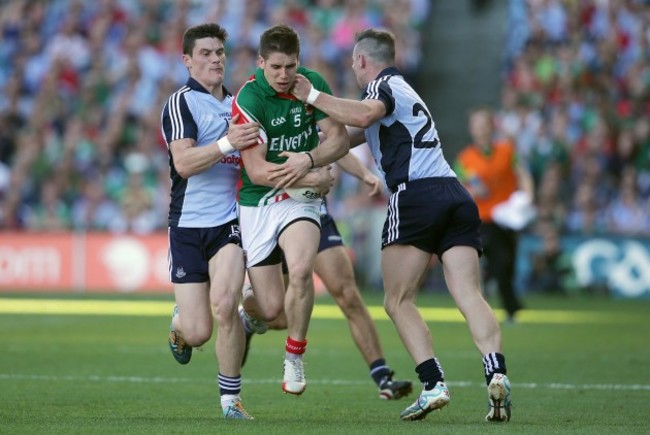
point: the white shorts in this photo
(261, 226)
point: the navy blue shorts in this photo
(432, 214)
(329, 234)
(190, 250)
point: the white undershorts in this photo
(261, 226)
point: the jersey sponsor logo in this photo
(278, 121)
(231, 160)
(290, 143)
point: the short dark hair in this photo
(280, 38)
(378, 44)
(208, 30)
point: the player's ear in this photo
(362, 60)
(187, 60)
(260, 61)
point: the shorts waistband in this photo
(423, 182)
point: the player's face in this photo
(207, 63)
(280, 70)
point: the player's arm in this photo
(335, 143)
(357, 136)
(261, 172)
(353, 166)
(350, 112)
(191, 160)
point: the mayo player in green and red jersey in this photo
(272, 223)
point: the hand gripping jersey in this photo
(404, 142)
(286, 124)
(208, 199)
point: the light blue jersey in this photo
(404, 143)
(208, 199)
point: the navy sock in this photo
(430, 373)
(229, 385)
(494, 362)
(379, 370)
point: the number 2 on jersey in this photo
(419, 110)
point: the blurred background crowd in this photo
(575, 99)
(83, 84)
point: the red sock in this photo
(295, 347)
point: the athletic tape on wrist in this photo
(225, 146)
(313, 94)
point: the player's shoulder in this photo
(179, 93)
(250, 89)
(177, 101)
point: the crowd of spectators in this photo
(82, 86)
(575, 99)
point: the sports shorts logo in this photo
(180, 272)
(278, 121)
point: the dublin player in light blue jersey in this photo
(429, 213)
(206, 260)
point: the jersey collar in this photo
(198, 87)
(390, 71)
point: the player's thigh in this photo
(334, 267)
(462, 272)
(299, 242)
(403, 267)
(193, 304)
(268, 285)
(227, 273)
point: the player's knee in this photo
(391, 305)
(279, 323)
(300, 272)
(349, 300)
(275, 312)
(197, 335)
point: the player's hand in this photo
(325, 180)
(294, 168)
(242, 136)
(301, 87)
(375, 184)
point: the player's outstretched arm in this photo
(350, 112)
(353, 166)
(241, 136)
(191, 160)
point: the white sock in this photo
(228, 399)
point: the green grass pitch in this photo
(96, 364)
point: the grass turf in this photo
(577, 365)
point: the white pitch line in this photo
(164, 380)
